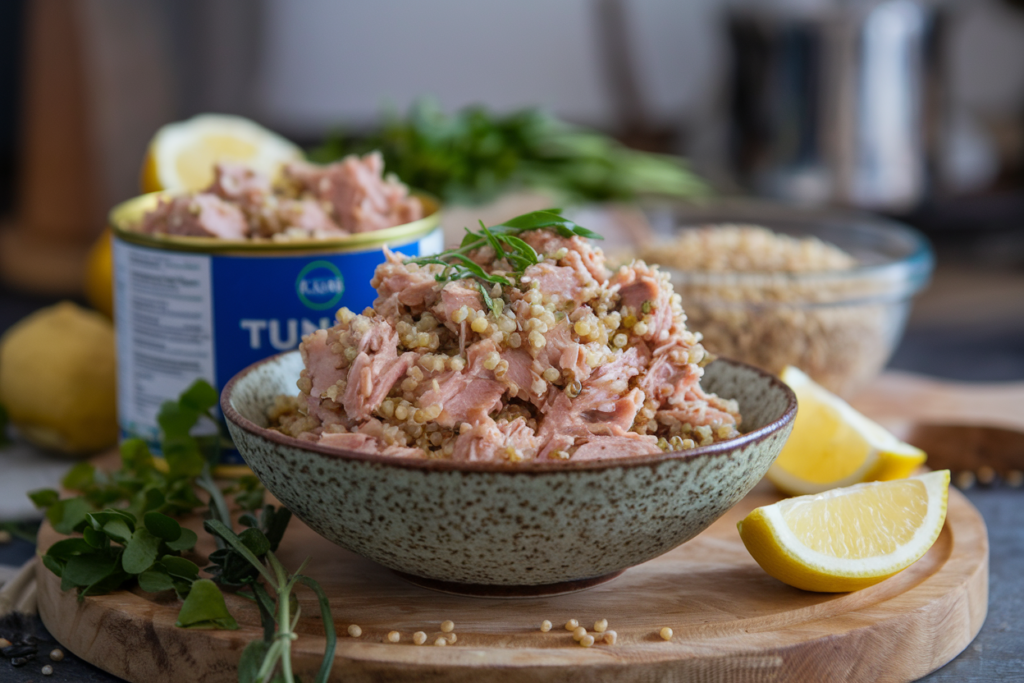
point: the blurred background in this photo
(907, 108)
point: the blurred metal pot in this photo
(837, 101)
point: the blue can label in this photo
(184, 316)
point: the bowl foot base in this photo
(497, 591)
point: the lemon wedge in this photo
(181, 155)
(850, 538)
(833, 445)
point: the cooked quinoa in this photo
(307, 202)
(774, 300)
(747, 248)
(571, 362)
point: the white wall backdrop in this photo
(327, 61)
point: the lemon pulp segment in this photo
(832, 445)
(195, 161)
(860, 524)
(182, 155)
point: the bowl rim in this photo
(530, 468)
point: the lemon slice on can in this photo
(182, 155)
(833, 445)
(849, 538)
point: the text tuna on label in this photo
(274, 329)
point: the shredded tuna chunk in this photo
(401, 289)
(318, 202)
(203, 215)
(488, 440)
(362, 198)
(617, 446)
(564, 361)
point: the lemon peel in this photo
(849, 538)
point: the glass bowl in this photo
(839, 326)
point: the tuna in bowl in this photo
(509, 489)
(520, 345)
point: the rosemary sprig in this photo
(503, 238)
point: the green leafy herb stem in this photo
(507, 245)
(262, 659)
(475, 154)
(140, 541)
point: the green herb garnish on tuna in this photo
(503, 239)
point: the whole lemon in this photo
(58, 379)
(99, 275)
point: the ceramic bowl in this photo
(499, 528)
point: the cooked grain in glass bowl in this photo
(773, 286)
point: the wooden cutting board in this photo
(732, 622)
(901, 399)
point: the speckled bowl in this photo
(503, 528)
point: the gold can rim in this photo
(129, 212)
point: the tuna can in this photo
(188, 307)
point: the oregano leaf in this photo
(204, 608)
(141, 551)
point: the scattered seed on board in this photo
(394, 637)
(601, 625)
(572, 624)
(47, 670)
(419, 637)
(587, 640)
(964, 480)
(452, 637)
(610, 637)
(440, 642)
(355, 631)
(447, 626)
(666, 633)
(545, 626)
(578, 633)
(57, 654)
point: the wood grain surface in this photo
(901, 400)
(732, 622)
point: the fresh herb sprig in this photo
(507, 245)
(118, 546)
(139, 485)
(261, 659)
(475, 154)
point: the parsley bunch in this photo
(474, 154)
(139, 541)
